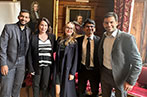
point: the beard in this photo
(22, 24)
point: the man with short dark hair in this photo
(14, 43)
(88, 67)
(120, 59)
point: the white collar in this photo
(91, 37)
(114, 33)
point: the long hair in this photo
(32, 6)
(49, 30)
(72, 38)
(32, 13)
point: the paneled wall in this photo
(101, 7)
(46, 7)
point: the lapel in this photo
(95, 45)
(80, 43)
(102, 41)
(95, 49)
(116, 40)
(50, 37)
(35, 40)
(17, 32)
(81, 39)
(95, 41)
(27, 34)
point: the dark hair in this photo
(24, 11)
(32, 6)
(111, 14)
(49, 30)
(88, 21)
(77, 17)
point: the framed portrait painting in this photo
(73, 11)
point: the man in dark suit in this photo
(119, 59)
(14, 43)
(88, 67)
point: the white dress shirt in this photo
(107, 46)
(84, 48)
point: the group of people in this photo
(114, 60)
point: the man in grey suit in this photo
(14, 43)
(119, 59)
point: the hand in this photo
(71, 77)
(4, 70)
(32, 73)
(127, 86)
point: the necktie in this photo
(88, 53)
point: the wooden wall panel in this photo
(46, 7)
(6, 0)
(101, 7)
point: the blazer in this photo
(95, 55)
(9, 43)
(126, 60)
(33, 53)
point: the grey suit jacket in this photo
(9, 43)
(126, 59)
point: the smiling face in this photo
(110, 24)
(69, 29)
(24, 18)
(43, 27)
(89, 29)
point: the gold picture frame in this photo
(84, 11)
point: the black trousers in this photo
(41, 82)
(93, 76)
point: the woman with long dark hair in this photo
(40, 57)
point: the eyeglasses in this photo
(90, 26)
(68, 28)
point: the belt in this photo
(87, 68)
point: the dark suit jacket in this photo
(95, 55)
(9, 43)
(126, 60)
(33, 57)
